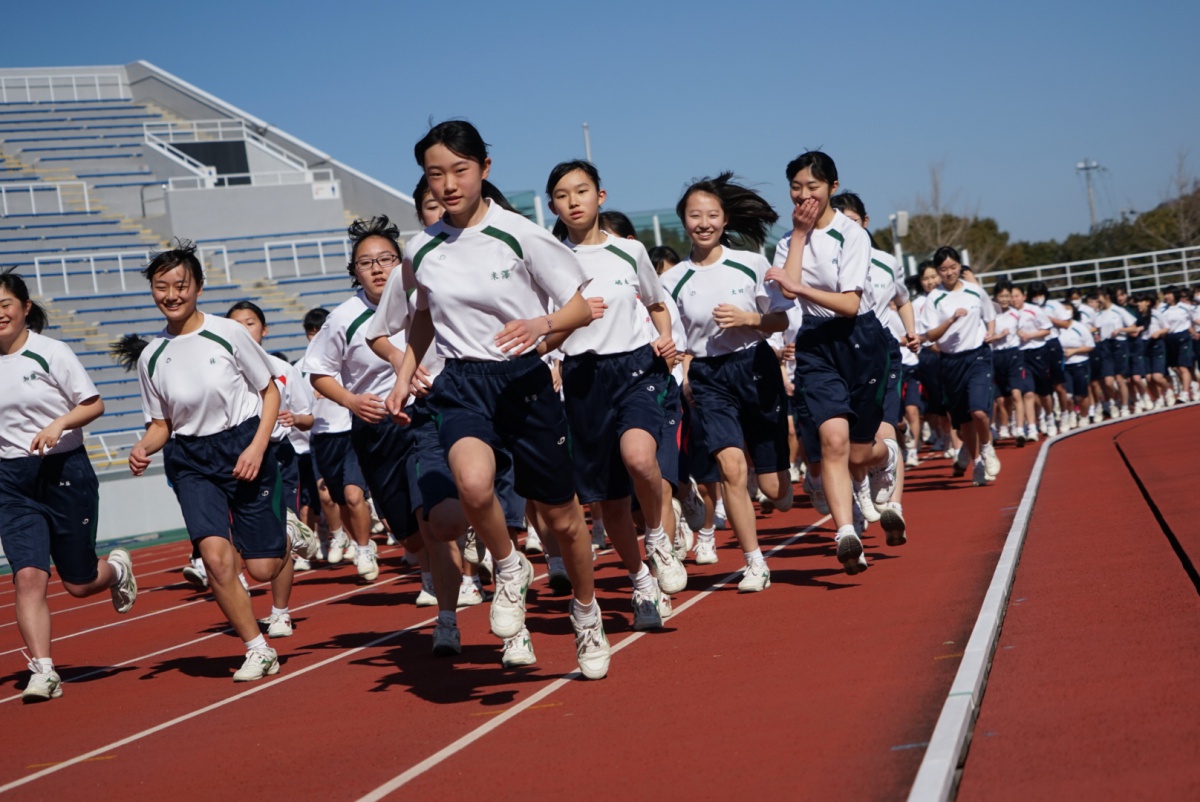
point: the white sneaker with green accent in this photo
(259, 663)
(43, 685)
(507, 615)
(305, 542)
(755, 578)
(646, 609)
(124, 593)
(366, 565)
(706, 551)
(671, 574)
(279, 625)
(862, 493)
(518, 650)
(337, 548)
(591, 647)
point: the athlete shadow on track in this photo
(947, 483)
(380, 598)
(82, 674)
(467, 678)
(221, 667)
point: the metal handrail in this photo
(35, 187)
(175, 154)
(206, 253)
(219, 130)
(293, 247)
(74, 82)
(1149, 270)
(275, 178)
(104, 438)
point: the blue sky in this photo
(1006, 98)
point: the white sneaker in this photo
(305, 542)
(43, 685)
(367, 565)
(279, 625)
(979, 473)
(1051, 429)
(447, 641)
(784, 504)
(427, 599)
(685, 538)
(1031, 434)
(507, 615)
(245, 584)
(1124, 412)
(591, 647)
(962, 461)
(391, 539)
(469, 595)
(991, 462)
(259, 663)
(882, 481)
(301, 564)
(719, 519)
(926, 432)
(849, 550)
(756, 577)
(195, 573)
(693, 507)
(794, 474)
(706, 551)
(667, 568)
(124, 593)
(1003, 433)
(518, 650)
(816, 493)
(533, 543)
(912, 460)
(862, 493)
(646, 612)
(337, 548)
(351, 553)
(472, 549)
(950, 453)
(891, 518)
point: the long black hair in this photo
(35, 318)
(748, 218)
(127, 350)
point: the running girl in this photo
(49, 495)
(206, 381)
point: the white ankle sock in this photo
(259, 643)
(510, 564)
(119, 570)
(655, 536)
(586, 614)
(642, 580)
(45, 664)
(280, 611)
(707, 534)
(753, 557)
(842, 531)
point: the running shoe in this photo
(815, 489)
(926, 432)
(882, 480)
(337, 548)
(305, 542)
(911, 460)
(351, 553)
(245, 584)
(784, 504)
(849, 550)
(301, 564)
(719, 519)
(1003, 433)
(685, 538)
(366, 565)
(756, 577)
(706, 550)
(598, 535)
(391, 539)
(560, 581)
(671, 574)
(508, 604)
(591, 647)
(447, 641)
(693, 507)
(472, 549)
(962, 461)
(518, 650)
(259, 663)
(195, 573)
(862, 494)
(43, 684)
(950, 453)
(124, 593)
(279, 625)
(979, 476)
(646, 612)
(468, 595)
(533, 543)
(794, 473)
(891, 518)
(990, 461)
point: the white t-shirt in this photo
(42, 382)
(1111, 319)
(205, 382)
(887, 283)
(1178, 318)
(1156, 324)
(677, 334)
(1058, 311)
(918, 305)
(1077, 335)
(896, 326)
(736, 278)
(1031, 318)
(295, 394)
(1088, 315)
(476, 280)
(340, 349)
(392, 320)
(620, 272)
(836, 259)
(1006, 324)
(966, 333)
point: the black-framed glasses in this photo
(384, 260)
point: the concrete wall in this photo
(244, 211)
(137, 505)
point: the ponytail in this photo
(748, 218)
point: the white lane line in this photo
(474, 735)
(937, 777)
(11, 591)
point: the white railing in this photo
(280, 178)
(32, 88)
(113, 443)
(288, 250)
(176, 155)
(100, 262)
(33, 190)
(1137, 272)
(219, 131)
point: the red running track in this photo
(1094, 688)
(823, 687)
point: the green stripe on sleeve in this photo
(38, 358)
(679, 286)
(938, 300)
(218, 340)
(972, 292)
(154, 359)
(741, 267)
(623, 255)
(837, 235)
(506, 238)
(885, 267)
(427, 247)
(353, 327)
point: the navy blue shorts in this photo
(967, 383)
(806, 430)
(511, 406)
(843, 369)
(1037, 365)
(1108, 362)
(1137, 357)
(910, 395)
(310, 494)
(1156, 357)
(1010, 373)
(214, 504)
(1179, 350)
(739, 400)
(1079, 376)
(289, 474)
(929, 370)
(892, 412)
(430, 481)
(48, 511)
(1120, 352)
(697, 460)
(337, 464)
(1055, 358)
(605, 397)
(670, 437)
(383, 450)
(1094, 363)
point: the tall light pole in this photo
(587, 142)
(1087, 167)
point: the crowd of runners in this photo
(492, 390)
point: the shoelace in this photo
(31, 664)
(589, 639)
